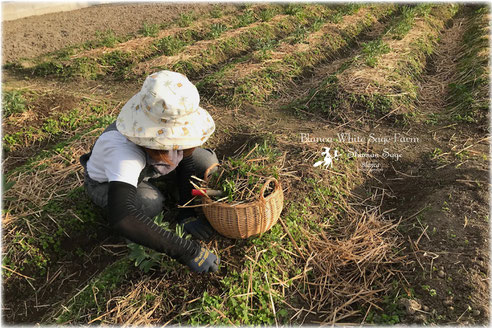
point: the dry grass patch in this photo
(352, 266)
(49, 178)
(34, 205)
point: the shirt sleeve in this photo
(123, 162)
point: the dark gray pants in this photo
(149, 198)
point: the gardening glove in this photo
(206, 261)
(197, 226)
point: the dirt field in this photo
(396, 231)
(32, 36)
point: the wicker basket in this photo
(245, 220)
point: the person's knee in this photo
(149, 199)
(203, 159)
(98, 193)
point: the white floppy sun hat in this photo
(166, 114)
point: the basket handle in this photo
(262, 191)
(207, 171)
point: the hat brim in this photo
(184, 132)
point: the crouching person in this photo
(158, 131)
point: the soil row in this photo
(382, 80)
(206, 54)
(40, 34)
(255, 82)
(184, 49)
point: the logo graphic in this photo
(328, 160)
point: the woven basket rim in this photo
(210, 203)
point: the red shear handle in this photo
(198, 192)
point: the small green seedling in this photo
(185, 20)
(13, 102)
(216, 30)
(432, 292)
(149, 29)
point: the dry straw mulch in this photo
(351, 266)
(51, 178)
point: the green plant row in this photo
(265, 48)
(271, 76)
(399, 26)
(469, 94)
(58, 125)
(120, 59)
(108, 39)
(387, 67)
(328, 98)
(401, 68)
(239, 42)
(169, 42)
(406, 19)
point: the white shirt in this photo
(115, 158)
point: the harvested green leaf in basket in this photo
(242, 176)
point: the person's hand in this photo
(197, 226)
(206, 261)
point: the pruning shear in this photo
(207, 192)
